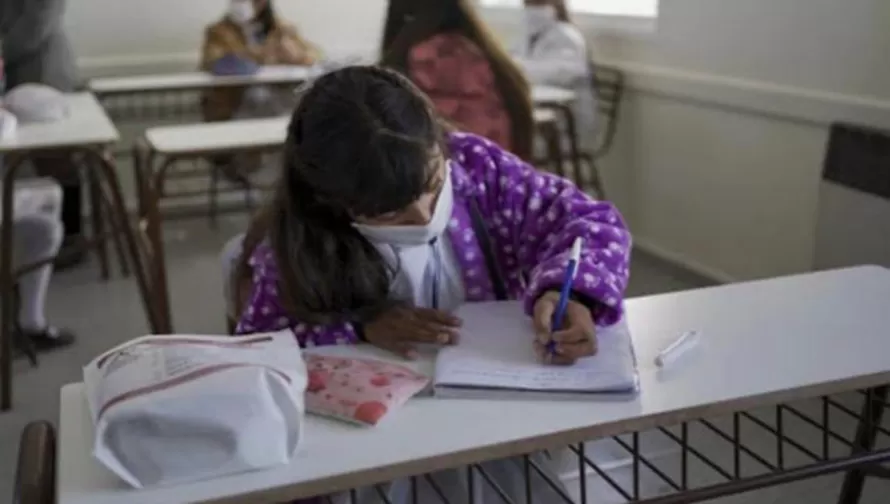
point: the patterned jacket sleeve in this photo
(264, 311)
(536, 217)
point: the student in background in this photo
(450, 54)
(554, 52)
(37, 233)
(249, 36)
(36, 50)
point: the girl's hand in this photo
(575, 340)
(400, 328)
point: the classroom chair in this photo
(547, 126)
(229, 259)
(608, 89)
(35, 474)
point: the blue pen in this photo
(560, 313)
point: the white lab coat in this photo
(559, 57)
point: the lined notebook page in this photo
(496, 352)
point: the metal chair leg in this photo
(866, 433)
(7, 314)
(104, 210)
(595, 180)
(98, 222)
(551, 136)
(213, 193)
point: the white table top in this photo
(761, 343)
(544, 115)
(200, 137)
(552, 95)
(273, 74)
(86, 124)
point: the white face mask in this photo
(539, 17)
(410, 236)
(241, 11)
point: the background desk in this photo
(754, 338)
(176, 95)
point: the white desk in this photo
(544, 115)
(552, 96)
(231, 135)
(754, 336)
(86, 124)
(267, 75)
(167, 145)
(200, 80)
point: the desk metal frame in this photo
(774, 467)
(150, 168)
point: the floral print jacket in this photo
(531, 217)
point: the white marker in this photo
(681, 345)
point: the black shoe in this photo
(50, 338)
(71, 254)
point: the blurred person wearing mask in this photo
(37, 233)
(248, 37)
(554, 53)
(36, 50)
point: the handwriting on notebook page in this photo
(496, 351)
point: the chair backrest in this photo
(230, 258)
(608, 89)
(35, 475)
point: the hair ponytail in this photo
(329, 263)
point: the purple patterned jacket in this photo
(532, 218)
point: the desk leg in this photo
(866, 433)
(106, 167)
(155, 234)
(94, 188)
(7, 285)
(572, 131)
(150, 224)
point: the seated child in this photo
(382, 224)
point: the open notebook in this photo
(495, 359)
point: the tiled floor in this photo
(104, 314)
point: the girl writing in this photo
(383, 223)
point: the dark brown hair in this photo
(360, 142)
(562, 12)
(409, 22)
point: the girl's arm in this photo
(213, 49)
(535, 217)
(265, 313)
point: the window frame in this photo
(505, 13)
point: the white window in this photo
(628, 8)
